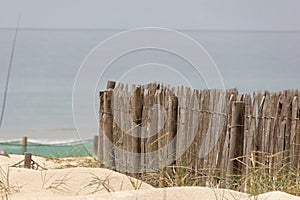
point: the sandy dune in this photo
(96, 183)
(188, 193)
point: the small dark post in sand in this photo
(24, 144)
(27, 160)
(236, 138)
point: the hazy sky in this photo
(196, 14)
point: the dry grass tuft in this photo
(61, 184)
(267, 172)
(276, 173)
(97, 184)
(5, 187)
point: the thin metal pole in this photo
(9, 72)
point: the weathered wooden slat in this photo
(145, 125)
(267, 127)
(248, 138)
(205, 131)
(282, 120)
(297, 141)
(121, 115)
(294, 154)
(195, 144)
(116, 127)
(266, 130)
(276, 126)
(180, 144)
(231, 96)
(260, 125)
(152, 145)
(195, 121)
(136, 108)
(236, 138)
(101, 127)
(214, 133)
(201, 137)
(273, 125)
(126, 125)
(189, 133)
(203, 127)
(108, 156)
(219, 118)
(160, 108)
(110, 85)
(172, 125)
(287, 136)
(210, 137)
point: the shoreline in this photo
(57, 149)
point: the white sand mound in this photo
(69, 182)
(55, 183)
(275, 196)
(175, 193)
(96, 183)
(187, 193)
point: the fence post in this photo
(236, 140)
(108, 156)
(25, 139)
(110, 85)
(104, 150)
(101, 120)
(27, 160)
(137, 110)
(95, 146)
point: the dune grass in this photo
(277, 175)
(273, 175)
(265, 172)
(6, 187)
(98, 184)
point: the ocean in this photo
(46, 61)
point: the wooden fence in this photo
(154, 125)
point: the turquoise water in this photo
(82, 148)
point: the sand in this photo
(69, 179)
